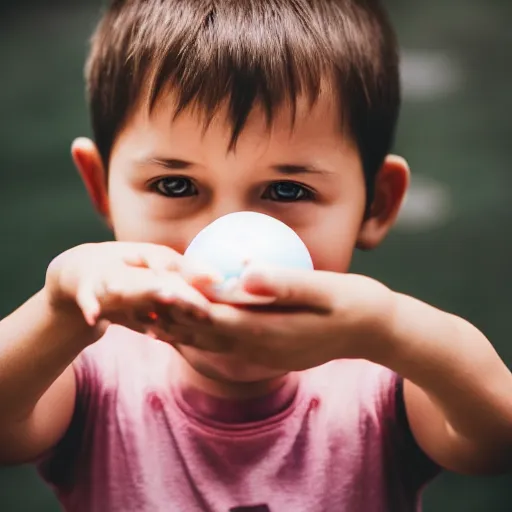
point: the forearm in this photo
(456, 366)
(36, 346)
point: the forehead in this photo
(296, 120)
(296, 127)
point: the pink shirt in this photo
(138, 443)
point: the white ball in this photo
(234, 241)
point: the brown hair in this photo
(247, 52)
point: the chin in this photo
(227, 368)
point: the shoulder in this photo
(368, 399)
(112, 376)
(356, 400)
(355, 384)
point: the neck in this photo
(209, 382)
(210, 398)
(239, 390)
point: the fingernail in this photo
(253, 276)
(91, 318)
(196, 270)
(257, 282)
(92, 312)
(256, 274)
(151, 334)
(203, 280)
(242, 296)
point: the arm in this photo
(112, 282)
(458, 392)
(37, 383)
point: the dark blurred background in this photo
(452, 246)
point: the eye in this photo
(175, 186)
(288, 192)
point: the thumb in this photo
(291, 287)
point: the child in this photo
(338, 394)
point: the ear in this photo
(90, 166)
(391, 185)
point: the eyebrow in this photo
(294, 170)
(168, 163)
(286, 169)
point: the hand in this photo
(315, 317)
(148, 288)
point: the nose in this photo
(217, 209)
(223, 211)
(223, 205)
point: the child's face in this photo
(169, 179)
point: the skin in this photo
(331, 224)
(458, 393)
(453, 376)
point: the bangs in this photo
(237, 55)
(247, 53)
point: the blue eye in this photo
(175, 187)
(288, 192)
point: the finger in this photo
(124, 318)
(156, 257)
(88, 303)
(138, 286)
(174, 336)
(157, 327)
(184, 313)
(148, 314)
(160, 259)
(199, 274)
(234, 322)
(292, 287)
(102, 327)
(263, 325)
(174, 289)
(169, 317)
(233, 292)
(177, 326)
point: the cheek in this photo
(134, 220)
(331, 254)
(332, 241)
